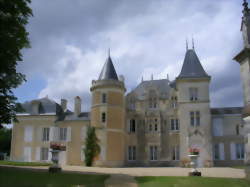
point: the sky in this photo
(70, 42)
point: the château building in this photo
(153, 125)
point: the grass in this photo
(191, 182)
(25, 177)
(14, 163)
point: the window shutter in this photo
(233, 151)
(28, 133)
(50, 155)
(82, 153)
(222, 153)
(51, 133)
(39, 134)
(103, 152)
(128, 125)
(68, 134)
(38, 154)
(84, 132)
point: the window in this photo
(104, 98)
(195, 118)
(63, 134)
(132, 125)
(237, 129)
(150, 125)
(193, 94)
(240, 151)
(156, 125)
(174, 124)
(216, 152)
(152, 102)
(175, 153)
(131, 153)
(44, 153)
(45, 136)
(173, 102)
(217, 126)
(103, 117)
(153, 153)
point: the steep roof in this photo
(108, 71)
(192, 67)
(41, 106)
(162, 86)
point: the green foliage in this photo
(92, 149)
(14, 163)
(191, 182)
(27, 177)
(14, 15)
(5, 140)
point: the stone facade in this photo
(153, 125)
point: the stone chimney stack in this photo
(78, 103)
(64, 104)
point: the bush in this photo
(92, 149)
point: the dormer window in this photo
(193, 94)
(153, 102)
(173, 101)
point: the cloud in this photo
(70, 41)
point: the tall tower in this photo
(194, 108)
(108, 115)
(243, 58)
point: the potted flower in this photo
(56, 148)
(193, 155)
(194, 151)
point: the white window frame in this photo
(44, 154)
(196, 116)
(131, 153)
(153, 152)
(176, 153)
(45, 134)
(174, 124)
(240, 151)
(193, 94)
(63, 133)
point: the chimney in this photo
(78, 101)
(64, 104)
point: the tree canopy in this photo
(14, 15)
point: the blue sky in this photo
(70, 40)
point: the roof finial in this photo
(152, 77)
(142, 79)
(167, 77)
(186, 43)
(193, 42)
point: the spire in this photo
(142, 79)
(193, 42)
(108, 71)
(187, 44)
(192, 67)
(245, 24)
(152, 77)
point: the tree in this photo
(5, 140)
(14, 15)
(92, 149)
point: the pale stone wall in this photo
(245, 77)
(18, 143)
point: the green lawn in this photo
(191, 182)
(13, 163)
(24, 177)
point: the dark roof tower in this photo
(108, 71)
(192, 67)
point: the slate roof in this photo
(192, 67)
(162, 86)
(226, 110)
(45, 106)
(108, 71)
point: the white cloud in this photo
(145, 39)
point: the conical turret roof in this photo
(108, 71)
(192, 67)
